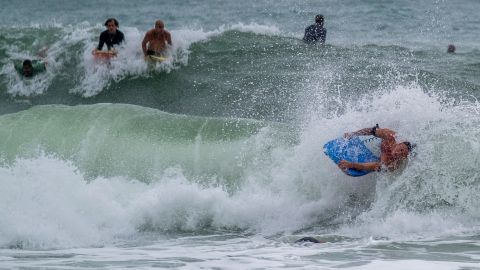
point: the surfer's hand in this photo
(344, 165)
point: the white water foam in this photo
(130, 61)
(48, 203)
(437, 193)
(97, 76)
(91, 76)
(17, 85)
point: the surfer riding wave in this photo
(392, 153)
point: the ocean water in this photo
(213, 159)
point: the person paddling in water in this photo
(31, 67)
(156, 40)
(392, 153)
(112, 36)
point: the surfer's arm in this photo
(364, 166)
(363, 132)
(169, 39)
(144, 43)
(385, 133)
(101, 41)
(43, 53)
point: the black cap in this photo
(451, 48)
(319, 18)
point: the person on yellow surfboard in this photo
(156, 40)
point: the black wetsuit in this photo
(315, 33)
(110, 39)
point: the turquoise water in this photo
(213, 159)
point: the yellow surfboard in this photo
(156, 58)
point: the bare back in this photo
(387, 145)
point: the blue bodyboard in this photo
(353, 150)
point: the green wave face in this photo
(127, 140)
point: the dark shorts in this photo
(150, 52)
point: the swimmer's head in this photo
(112, 25)
(401, 150)
(159, 24)
(451, 48)
(27, 68)
(319, 19)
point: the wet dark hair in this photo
(319, 18)
(27, 62)
(410, 146)
(111, 20)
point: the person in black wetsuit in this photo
(111, 36)
(316, 33)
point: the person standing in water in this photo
(316, 33)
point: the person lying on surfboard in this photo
(112, 36)
(30, 67)
(156, 40)
(392, 153)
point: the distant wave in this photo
(70, 48)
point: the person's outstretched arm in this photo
(364, 166)
(144, 44)
(169, 39)
(363, 132)
(101, 41)
(385, 133)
